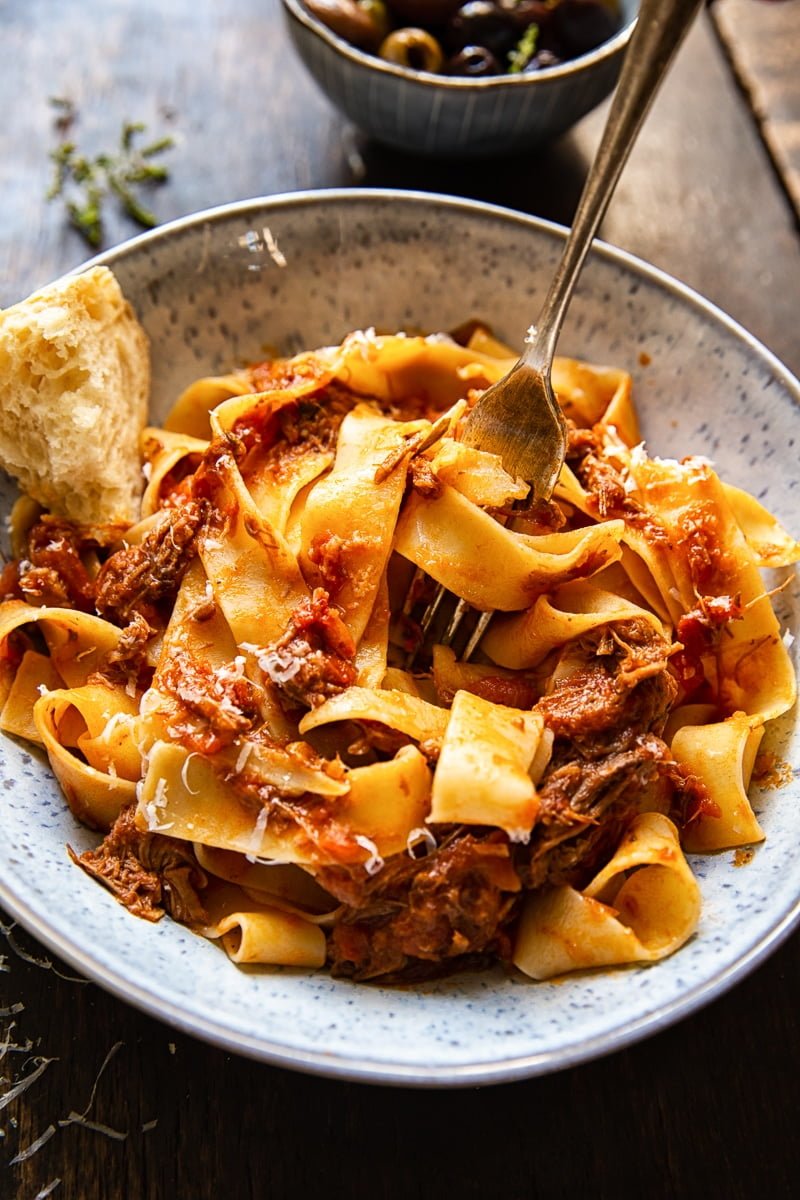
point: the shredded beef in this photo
(607, 756)
(599, 477)
(54, 571)
(585, 808)
(414, 918)
(129, 660)
(418, 916)
(588, 711)
(138, 578)
(315, 657)
(147, 872)
(310, 423)
(423, 479)
(326, 552)
(221, 704)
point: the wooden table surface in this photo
(707, 1107)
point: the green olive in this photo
(414, 48)
(378, 13)
(349, 20)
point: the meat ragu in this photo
(414, 917)
(248, 679)
(149, 873)
(315, 657)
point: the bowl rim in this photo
(364, 1069)
(606, 51)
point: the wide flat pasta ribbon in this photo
(520, 642)
(721, 755)
(706, 554)
(353, 513)
(435, 371)
(253, 573)
(477, 475)
(35, 675)
(592, 395)
(388, 800)
(483, 773)
(397, 710)
(588, 394)
(190, 413)
(373, 647)
(641, 907)
(95, 791)
(163, 452)
(79, 643)
(283, 885)
(186, 797)
(255, 932)
(766, 537)
(489, 566)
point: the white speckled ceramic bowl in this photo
(448, 116)
(211, 295)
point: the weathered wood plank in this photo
(763, 41)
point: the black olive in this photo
(542, 60)
(474, 61)
(578, 26)
(378, 13)
(481, 23)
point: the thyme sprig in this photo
(84, 183)
(524, 50)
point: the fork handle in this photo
(660, 28)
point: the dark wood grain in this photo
(706, 1108)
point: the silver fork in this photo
(519, 418)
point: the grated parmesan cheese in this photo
(152, 806)
(184, 774)
(25, 1083)
(244, 754)
(44, 963)
(257, 835)
(75, 1118)
(112, 723)
(272, 248)
(29, 1151)
(48, 1189)
(9, 1047)
(420, 835)
(279, 665)
(374, 863)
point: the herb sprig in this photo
(524, 50)
(84, 183)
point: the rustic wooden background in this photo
(707, 1108)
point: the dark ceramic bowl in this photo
(449, 115)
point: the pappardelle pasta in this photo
(236, 690)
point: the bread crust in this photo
(74, 388)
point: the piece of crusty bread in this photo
(74, 386)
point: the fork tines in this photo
(444, 620)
